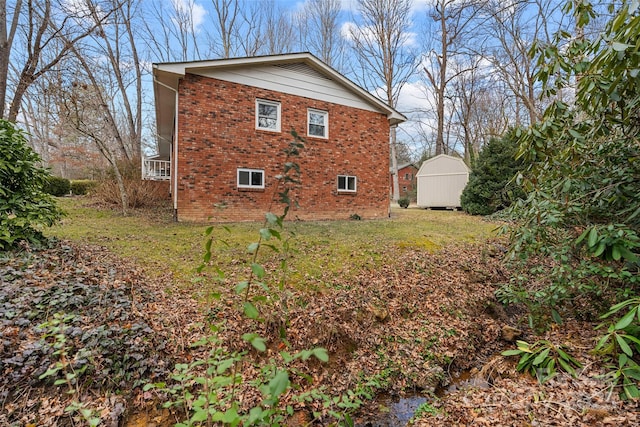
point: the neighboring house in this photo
(406, 180)
(223, 125)
(441, 180)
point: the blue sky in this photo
(412, 97)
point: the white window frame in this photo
(346, 181)
(325, 115)
(250, 171)
(278, 114)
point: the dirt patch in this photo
(408, 326)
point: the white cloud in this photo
(413, 97)
(416, 5)
(75, 7)
(79, 10)
(191, 9)
(415, 101)
(346, 29)
(349, 5)
(410, 39)
(146, 66)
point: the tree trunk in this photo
(124, 198)
(394, 164)
(6, 42)
(443, 82)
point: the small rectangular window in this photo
(406, 176)
(346, 183)
(250, 178)
(268, 115)
(317, 123)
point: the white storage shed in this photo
(441, 180)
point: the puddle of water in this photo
(391, 412)
(465, 379)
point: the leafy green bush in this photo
(542, 359)
(621, 348)
(80, 187)
(57, 186)
(491, 186)
(404, 202)
(24, 205)
(580, 221)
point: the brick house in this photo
(407, 173)
(223, 125)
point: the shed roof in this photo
(443, 164)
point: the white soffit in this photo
(299, 74)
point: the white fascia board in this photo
(181, 68)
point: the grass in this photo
(323, 250)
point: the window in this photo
(346, 183)
(317, 123)
(406, 177)
(250, 178)
(268, 115)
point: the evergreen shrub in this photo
(491, 186)
(25, 208)
(81, 187)
(57, 186)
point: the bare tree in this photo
(263, 28)
(6, 45)
(158, 35)
(106, 103)
(454, 20)
(66, 153)
(41, 24)
(466, 92)
(249, 33)
(184, 19)
(115, 43)
(83, 106)
(171, 30)
(385, 61)
(319, 31)
(277, 29)
(226, 14)
(512, 29)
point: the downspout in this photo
(174, 150)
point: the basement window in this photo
(268, 115)
(251, 178)
(347, 183)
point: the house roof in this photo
(404, 165)
(310, 71)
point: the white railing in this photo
(158, 170)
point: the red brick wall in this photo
(217, 135)
(404, 181)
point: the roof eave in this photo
(179, 69)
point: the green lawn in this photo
(322, 250)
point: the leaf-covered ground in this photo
(408, 326)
